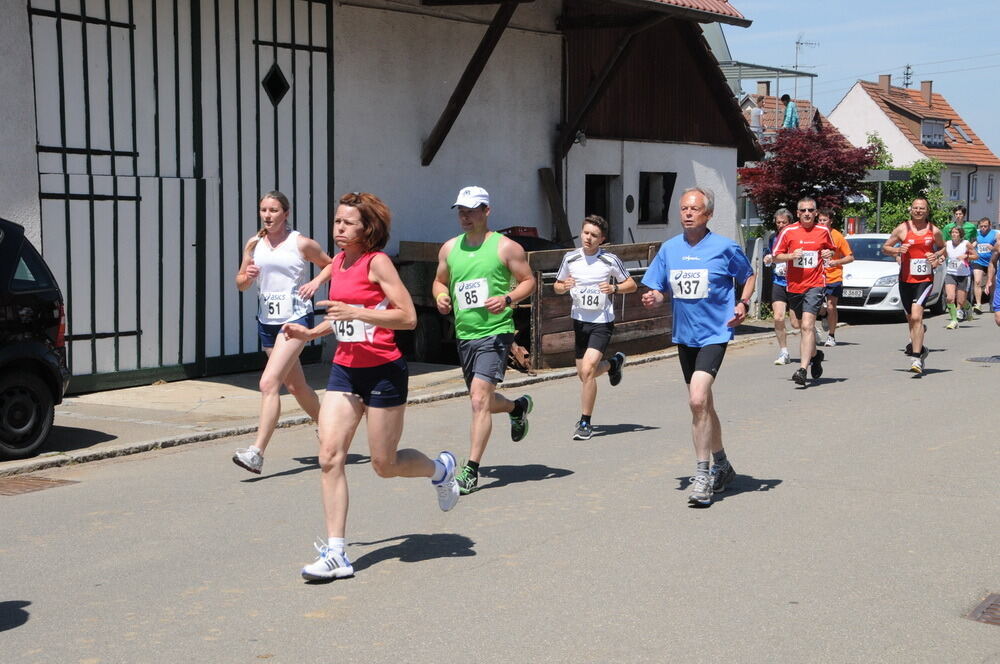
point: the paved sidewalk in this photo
(114, 423)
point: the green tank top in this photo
(477, 273)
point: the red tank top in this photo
(360, 344)
(914, 265)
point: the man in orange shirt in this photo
(804, 246)
(842, 255)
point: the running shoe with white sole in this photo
(617, 361)
(249, 458)
(701, 490)
(583, 431)
(830, 342)
(329, 565)
(467, 480)
(783, 358)
(952, 325)
(447, 488)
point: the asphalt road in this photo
(865, 523)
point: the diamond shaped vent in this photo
(275, 84)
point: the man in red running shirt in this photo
(915, 242)
(804, 246)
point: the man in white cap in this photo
(475, 275)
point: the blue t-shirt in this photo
(699, 279)
(777, 279)
(984, 247)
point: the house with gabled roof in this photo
(921, 124)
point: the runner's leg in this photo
(339, 417)
(280, 360)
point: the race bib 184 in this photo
(588, 297)
(689, 284)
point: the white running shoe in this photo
(447, 489)
(783, 358)
(249, 458)
(830, 342)
(329, 565)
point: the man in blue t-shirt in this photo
(986, 237)
(700, 271)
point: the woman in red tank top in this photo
(368, 376)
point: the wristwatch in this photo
(746, 303)
(508, 301)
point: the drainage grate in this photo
(13, 486)
(992, 359)
(988, 612)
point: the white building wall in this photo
(19, 167)
(695, 165)
(857, 115)
(980, 206)
(390, 91)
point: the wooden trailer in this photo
(543, 322)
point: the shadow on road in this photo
(416, 548)
(309, 463)
(68, 439)
(742, 484)
(506, 475)
(12, 614)
(614, 429)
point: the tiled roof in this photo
(720, 10)
(906, 108)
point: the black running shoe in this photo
(722, 476)
(617, 361)
(519, 425)
(816, 366)
(467, 480)
(799, 377)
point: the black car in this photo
(33, 372)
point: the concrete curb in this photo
(61, 459)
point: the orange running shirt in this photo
(914, 265)
(835, 273)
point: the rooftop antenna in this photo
(798, 48)
(907, 76)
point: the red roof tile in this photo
(722, 10)
(906, 108)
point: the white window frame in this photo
(973, 187)
(956, 186)
(989, 187)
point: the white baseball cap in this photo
(472, 197)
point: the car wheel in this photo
(26, 412)
(941, 305)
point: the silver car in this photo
(871, 281)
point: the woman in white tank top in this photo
(277, 259)
(958, 252)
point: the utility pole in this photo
(798, 47)
(907, 76)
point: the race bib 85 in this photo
(471, 294)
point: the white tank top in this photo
(958, 259)
(282, 270)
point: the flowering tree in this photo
(804, 162)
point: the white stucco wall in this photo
(390, 91)
(981, 206)
(18, 168)
(857, 115)
(695, 165)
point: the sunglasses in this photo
(807, 209)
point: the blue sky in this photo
(955, 45)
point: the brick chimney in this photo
(925, 92)
(884, 82)
(764, 88)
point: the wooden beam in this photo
(564, 235)
(601, 21)
(599, 85)
(468, 81)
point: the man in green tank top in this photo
(474, 277)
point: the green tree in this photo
(925, 181)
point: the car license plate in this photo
(854, 292)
